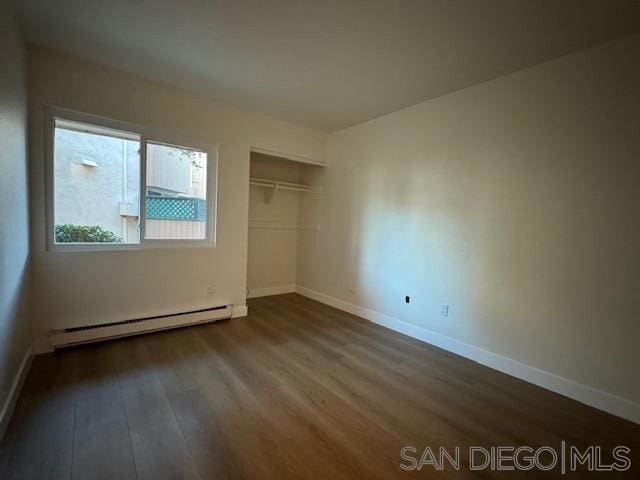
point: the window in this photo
(95, 182)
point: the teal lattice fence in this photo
(167, 208)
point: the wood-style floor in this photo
(295, 390)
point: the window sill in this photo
(115, 247)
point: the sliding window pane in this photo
(176, 193)
(96, 180)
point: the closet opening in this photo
(283, 194)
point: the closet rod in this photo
(278, 185)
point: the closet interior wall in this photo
(273, 228)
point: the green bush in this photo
(85, 234)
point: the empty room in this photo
(293, 239)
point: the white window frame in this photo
(147, 134)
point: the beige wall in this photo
(15, 332)
(515, 201)
(79, 288)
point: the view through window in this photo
(96, 187)
(176, 201)
(96, 184)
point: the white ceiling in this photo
(326, 64)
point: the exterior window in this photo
(99, 199)
(176, 193)
(96, 179)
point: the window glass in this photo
(96, 184)
(176, 193)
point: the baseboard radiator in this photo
(105, 331)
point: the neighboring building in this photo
(176, 192)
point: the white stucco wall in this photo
(87, 195)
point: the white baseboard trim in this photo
(239, 311)
(586, 394)
(14, 393)
(266, 291)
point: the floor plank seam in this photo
(173, 413)
(73, 435)
(126, 419)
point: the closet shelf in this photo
(274, 185)
(287, 156)
(278, 225)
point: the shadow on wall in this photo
(13, 312)
(456, 238)
(408, 244)
(505, 249)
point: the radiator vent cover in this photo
(138, 320)
(93, 333)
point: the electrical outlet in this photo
(211, 290)
(444, 311)
(407, 299)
